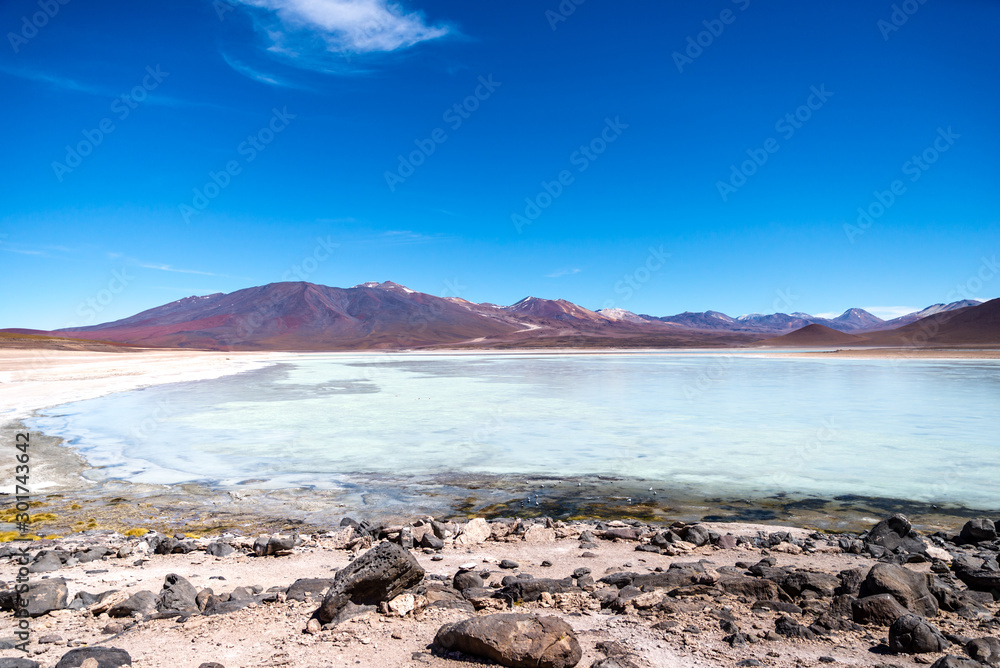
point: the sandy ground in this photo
(272, 634)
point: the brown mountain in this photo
(813, 336)
(968, 326)
(302, 316)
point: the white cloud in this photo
(343, 26)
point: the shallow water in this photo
(725, 424)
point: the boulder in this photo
(315, 587)
(380, 574)
(177, 594)
(984, 650)
(881, 609)
(808, 583)
(139, 603)
(909, 588)
(19, 662)
(911, 634)
(753, 588)
(95, 657)
(517, 640)
(476, 531)
(978, 530)
(219, 549)
(45, 561)
(45, 596)
(531, 590)
(789, 628)
(896, 535)
(466, 579)
(952, 661)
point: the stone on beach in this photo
(906, 586)
(95, 657)
(378, 575)
(517, 640)
(911, 634)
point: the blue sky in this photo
(653, 156)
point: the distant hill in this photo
(813, 336)
(969, 326)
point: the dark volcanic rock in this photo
(46, 595)
(896, 535)
(380, 574)
(312, 586)
(514, 639)
(106, 657)
(984, 650)
(46, 561)
(789, 628)
(139, 603)
(978, 530)
(881, 609)
(219, 549)
(952, 661)
(177, 594)
(909, 588)
(466, 579)
(801, 583)
(531, 590)
(911, 634)
(753, 588)
(19, 663)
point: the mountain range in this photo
(306, 316)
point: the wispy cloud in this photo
(305, 33)
(64, 83)
(256, 75)
(562, 272)
(54, 81)
(21, 251)
(176, 270)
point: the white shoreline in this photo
(31, 380)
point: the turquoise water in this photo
(918, 430)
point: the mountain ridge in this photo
(387, 315)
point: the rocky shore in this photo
(514, 592)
